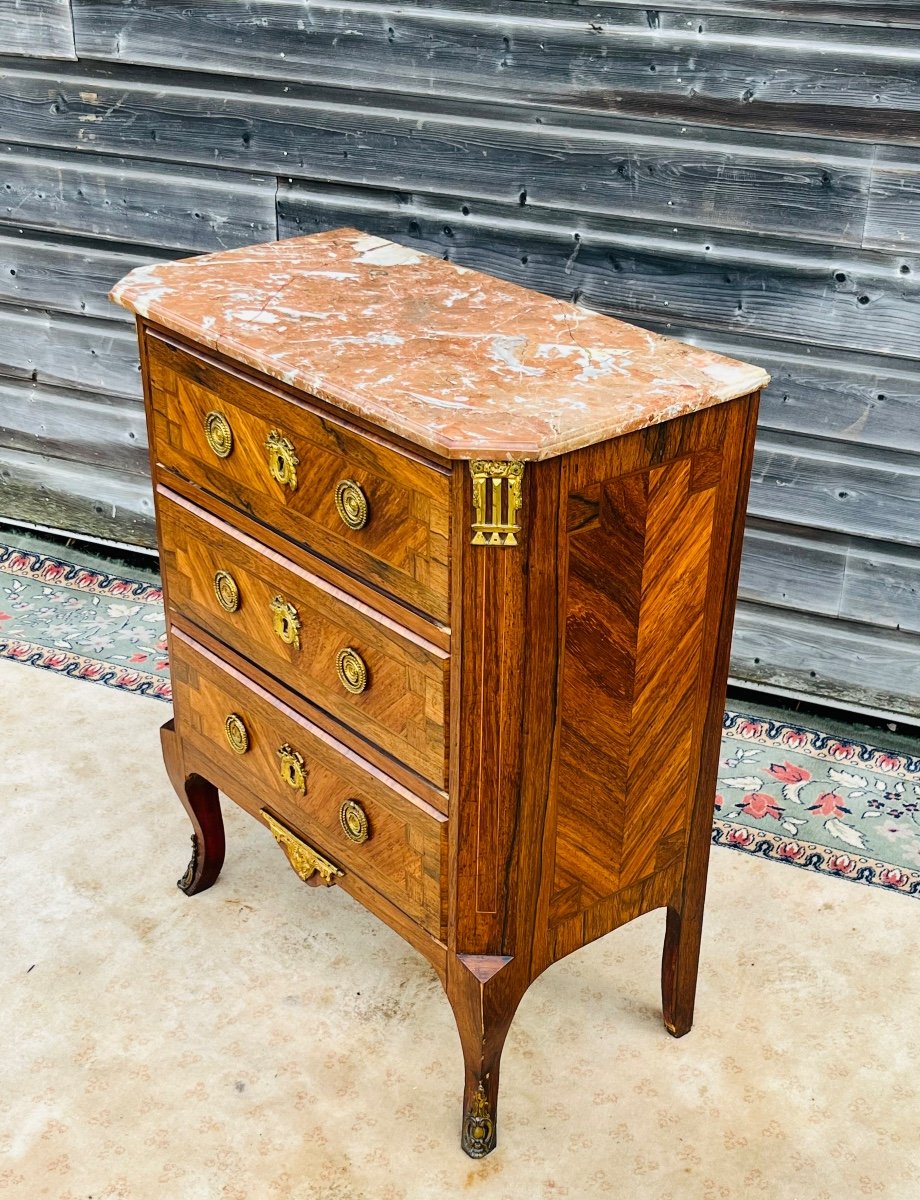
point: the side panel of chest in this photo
(589, 684)
(638, 553)
(645, 528)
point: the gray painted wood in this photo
(865, 399)
(675, 65)
(812, 294)
(783, 568)
(882, 587)
(831, 660)
(103, 431)
(37, 27)
(76, 497)
(67, 276)
(750, 193)
(74, 352)
(897, 13)
(893, 217)
(859, 300)
(813, 483)
(607, 166)
(134, 201)
(831, 574)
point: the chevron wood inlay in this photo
(638, 552)
(665, 727)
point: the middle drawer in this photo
(386, 683)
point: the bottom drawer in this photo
(266, 756)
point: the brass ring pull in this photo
(282, 461)
(351, 670)
(292, 768)
(218, 433)
(226, 591)
(351, 503)
(285, 621)
(354, 821)
(237, 734)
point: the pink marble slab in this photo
(456, 361)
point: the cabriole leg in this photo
(484, 996)
(201, 802)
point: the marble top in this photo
(456, 361)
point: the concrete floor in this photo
(265, 1040)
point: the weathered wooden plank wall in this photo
(42, 27)
(745, 175)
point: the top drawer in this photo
(381, 514)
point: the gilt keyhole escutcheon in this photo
(285, 621)
(282, 460)
(292, 768)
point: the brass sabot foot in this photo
(478, 1138)
(190, 871)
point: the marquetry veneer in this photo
(450, 572)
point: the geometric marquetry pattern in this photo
(404, 546)
(638, 572)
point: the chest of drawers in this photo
(450, 571)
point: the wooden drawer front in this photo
(402, 707)
(403, 546)
(405, 855)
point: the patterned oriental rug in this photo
(786, 793)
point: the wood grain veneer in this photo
(403, 708)
(403, 547)
(403, 857)
(547, 649)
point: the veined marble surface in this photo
(456, 361)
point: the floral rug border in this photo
(94, 670)
(783, 735)
(51, 571)
(43, 568)
(813, 857)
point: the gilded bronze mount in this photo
(497, 500)
(478, 1137)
